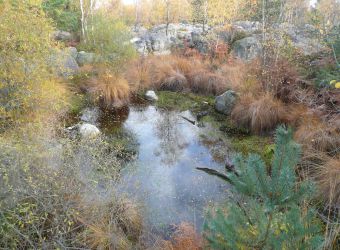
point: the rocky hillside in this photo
(244, 38)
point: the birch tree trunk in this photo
(82, 20)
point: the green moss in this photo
(253, 144)
(124, 144)
(77, 103)
(182, 101)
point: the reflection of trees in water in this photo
(112, 119)
(172, 141)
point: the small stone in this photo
(151, 95)
(87, 130)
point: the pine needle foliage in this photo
(268, 209)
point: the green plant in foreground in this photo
(269, 208)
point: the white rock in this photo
(151, 95)
(87, 130)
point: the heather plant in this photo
(269, 207)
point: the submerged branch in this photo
(216, 173)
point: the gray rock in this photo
(159, 40)
(73, 52)
(247, 26)
(151, 95)
(64, 63)
(90, 115)
(87, 131)
(247, 48)
(85, 58)
(64, 36)
(226, 102)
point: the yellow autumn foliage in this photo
(28, 88)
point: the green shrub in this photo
(267, 210)
(110, 39)
(65, 13)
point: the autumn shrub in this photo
(259, 113)
(28, 87)
(50, 196)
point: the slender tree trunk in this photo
(263, 32)
(167, 16)
(82, 20)
(136, 13)
(92, 20)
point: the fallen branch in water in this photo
(230, 167)
(187, 119)
(216, 173)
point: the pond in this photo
(163, 178)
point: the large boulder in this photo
(247, 26)
(226, 102)
(73, 52)
(88, 131)
(90, 115)
(64, 63)
(303, 38)
(64, 36)
(85, 58)
(247, 48)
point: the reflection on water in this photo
(164, 178)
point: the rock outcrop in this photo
(161, 39)
(243, 36)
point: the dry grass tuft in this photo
(175, 73)
(237, 77)
(165, 77)
(203, 82)
(109, 91)
(186, 237)
(319, 135)
(259, 114)
(328, 179)
(116, 225)
(138, 74)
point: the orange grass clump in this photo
(314, 133)
(117, 225)
(328, 180)
(110, 91)
(259, 114)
